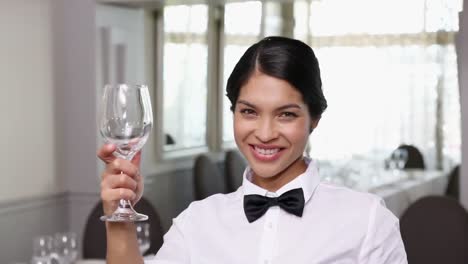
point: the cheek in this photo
(296, 133)
(241, 128)
(298, 136)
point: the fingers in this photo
(105, 153)
(119, 186)
(119, 181)
(118, 166)
(117, 194)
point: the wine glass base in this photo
(124, 218)
(124, 215)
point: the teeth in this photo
(266, 151)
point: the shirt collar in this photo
(308, 181)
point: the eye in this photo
(288, 115)
(247, 111)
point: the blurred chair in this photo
(208, 179)
(435, 230)
(169, 139)
(94, 236)
(453, 187)
(234, 168)
(415, 157)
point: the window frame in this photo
(214, 118)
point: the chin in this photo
(265, 170)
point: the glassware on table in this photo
(143, 237)
(126, 121)
(401, 157)
(43, 248)
(397, 161)
(66, 246)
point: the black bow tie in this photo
(256, 205)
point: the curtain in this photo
(390, 76)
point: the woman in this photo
(282, 213)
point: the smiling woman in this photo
(272, 120)
(282, 213)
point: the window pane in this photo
(272, 19)
(184, 19)
(408, 73)
(185, 76)
(301, 18)
(246, 24)
(333, 17)
(442, 15)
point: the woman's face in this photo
(271, 127)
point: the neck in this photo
(277, 181)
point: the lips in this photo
(266, 153)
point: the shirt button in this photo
(266, 261)
(270, 226)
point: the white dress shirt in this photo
(338, 225)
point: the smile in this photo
(266, 153)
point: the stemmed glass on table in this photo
(43, 250)
(62, 248)
(143, 237)
(398, 161)
(126, 121)
(66, 246)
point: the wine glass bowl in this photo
(126, 121)
(43, 249)
(401, 157)
(66, 245)
(129, 137)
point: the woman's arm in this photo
(120, 180)
(383, 243)
(122, 245)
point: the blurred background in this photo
(393, 73)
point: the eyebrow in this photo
(277, 109)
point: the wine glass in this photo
(401, 156)
(143, 237)
(67, 247)
(397, 162)
(42, 250)
(126, 121)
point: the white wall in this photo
(27, 134)
(462, 50)
(74, 32)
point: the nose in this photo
(266, 130)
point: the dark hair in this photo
(283, 58)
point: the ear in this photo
(314, 123)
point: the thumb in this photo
(105, 153)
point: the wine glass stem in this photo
(123, 203)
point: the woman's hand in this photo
(120, 180)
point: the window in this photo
(185, 77)
(388, 82)
(407, 66)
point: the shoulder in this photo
(217, 205)
(339, 194)
(216, 202)
(351, 203)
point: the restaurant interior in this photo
(393, 72)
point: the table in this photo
(398, 188)
(413, 185)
